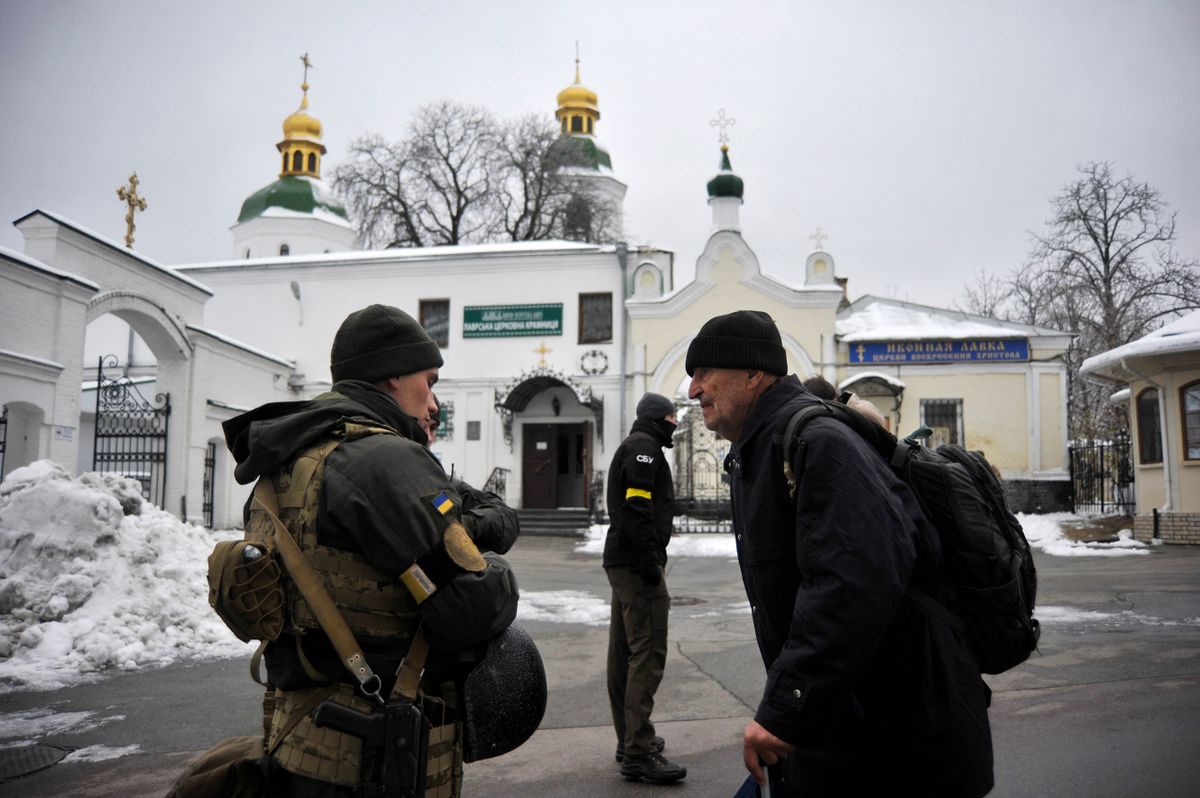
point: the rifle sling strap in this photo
(308, 581)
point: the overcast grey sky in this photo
(925, 138)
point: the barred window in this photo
(595, 318)
(1189, 404)
(473, 431)
(944, 417)
(435, 318)
(1149, 427)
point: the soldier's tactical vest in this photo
(375, 605)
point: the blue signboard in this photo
(971, 350)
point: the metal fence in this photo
(1102, 477)
(131, 433)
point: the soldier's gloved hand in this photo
(651, 575)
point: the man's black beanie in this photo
(378, 342)
(655, 406)
(744, 339)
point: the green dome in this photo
(585, 153)
(726, 183)
(298, 194)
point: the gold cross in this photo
(135, 202)
(307, 66)
(724, 122)
(542, 350)
(818, 237)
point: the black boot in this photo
(652, 767)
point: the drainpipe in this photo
(1162, 431)
(623, 262)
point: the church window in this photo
(1149, 427)
(297, 161)
(589, 129)
(1189, 406)
(944, 417)
(435, 318)
(284, 249)
(577, 124)
(312, 162)
(595, 318)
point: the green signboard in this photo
(506, 321)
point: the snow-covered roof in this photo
(24, 260)
(225, 339)
(275, 212)
(871, 318)
(507, 249)
(65, 222)
(1180, 337)
(871, 375)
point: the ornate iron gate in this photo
(701, 484)
(1102, 477)
(3, 438)
(131, 432)
(210, 478)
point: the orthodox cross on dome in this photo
(135, 202)
(307, 66)
(542, 350)
(723, 122)
(818, 238)
(576, 60)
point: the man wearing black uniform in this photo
(641, 501)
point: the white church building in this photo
(547, 345)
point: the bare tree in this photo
(986, 297)
(461, 177)
(1105, 269)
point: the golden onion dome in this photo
(300, 125)
(577, 95)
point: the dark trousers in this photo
(637, 652)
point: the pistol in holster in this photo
(395, 745)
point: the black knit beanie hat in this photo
(744, 339)
(378, 342)
(655, 406)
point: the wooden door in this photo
(539, 473)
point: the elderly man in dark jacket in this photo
(641, 505)
(866, 693)
(384, 504)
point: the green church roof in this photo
(726, 183)
(301, 195)
(588, 154)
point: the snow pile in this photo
(93, 579)
(1045, 532)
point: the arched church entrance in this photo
(140, 359)
(560, 422)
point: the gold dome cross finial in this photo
(723, 122)
(135, 202)
(576, 60)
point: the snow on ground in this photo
(93, 580)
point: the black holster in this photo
(395, 745)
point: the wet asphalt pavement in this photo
(1109, 707)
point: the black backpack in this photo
(986, 559)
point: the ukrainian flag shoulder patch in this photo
(442, 503)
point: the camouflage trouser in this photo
(637, 652)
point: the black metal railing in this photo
(3, 438)
(1102, 477)
(497, 483)
(210, 477)
(131, 432)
